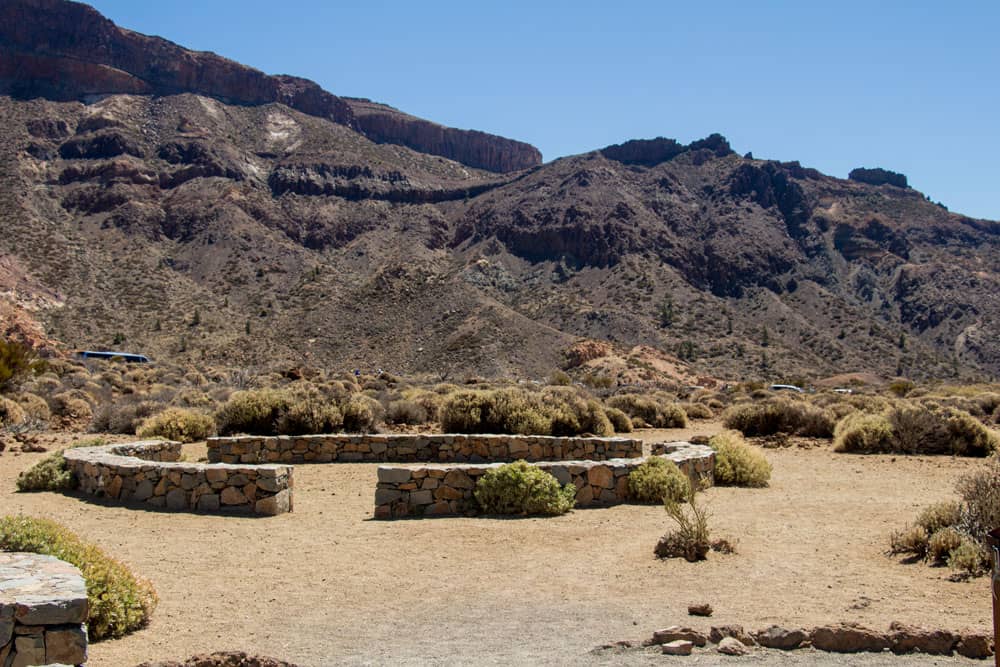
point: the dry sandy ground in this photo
(327, 585)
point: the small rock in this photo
(730, 646)
(677, 647)
(720, 632)
(676, 632)
(781, 638)
(975, 645)
(704, 609)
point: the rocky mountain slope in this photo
(185, 226)
(67, 51)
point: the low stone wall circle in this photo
(150, 473)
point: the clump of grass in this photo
(50, 474)
(178, 424)
(690, 539)
(911, 541)
(520, 488)
(118, 601)
(941, 545)
(655, 479)
(737, 463)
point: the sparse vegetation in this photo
(690, 539)
(119, 602)
(738, 463)
(16, 360)
(520, 488)
(776, 415)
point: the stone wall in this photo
(43, 607)
(443, 489)
(150, 473)
(442, 448)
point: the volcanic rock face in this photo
(65, 51)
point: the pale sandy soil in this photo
(327, 585)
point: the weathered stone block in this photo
(279, 503)
(66, 644)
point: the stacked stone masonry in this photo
(150, 473)
(441, 448)
(43, 607)
(443, 489)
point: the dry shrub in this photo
(177, 424)
(928, 428)
(253, 411)
(124, 416)
(35, 407)
(405, 412)
(619, 420)
(11, 413)
(652, 410)
(737, 463)
(71, 406)
(863, 432)
(939, 516)
(521, 488)
(697, 411)
(941, 543)
(361, 414)
(980, 494)
(656, 478)
(779, 416)
(193, 398)
(690, 539)
(911, 541)
(428, 400)
(506, 410)
(118, 601)
(901, 388)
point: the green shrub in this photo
(737, 463)
(520, 488)
(49, 474)
(118, 601)
(177, 424)
(863, 432)
(690, 539)
(619, 420)
(655, 479)
(361, 413)
(912, 541)
(406, 412)
(969, 558)
(941, 544)
(11, 413)
(254, 411)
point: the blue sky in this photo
(908, 86)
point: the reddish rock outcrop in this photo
(65, 51)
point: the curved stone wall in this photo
(447, 489)
(151, 473)
(442, 448)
